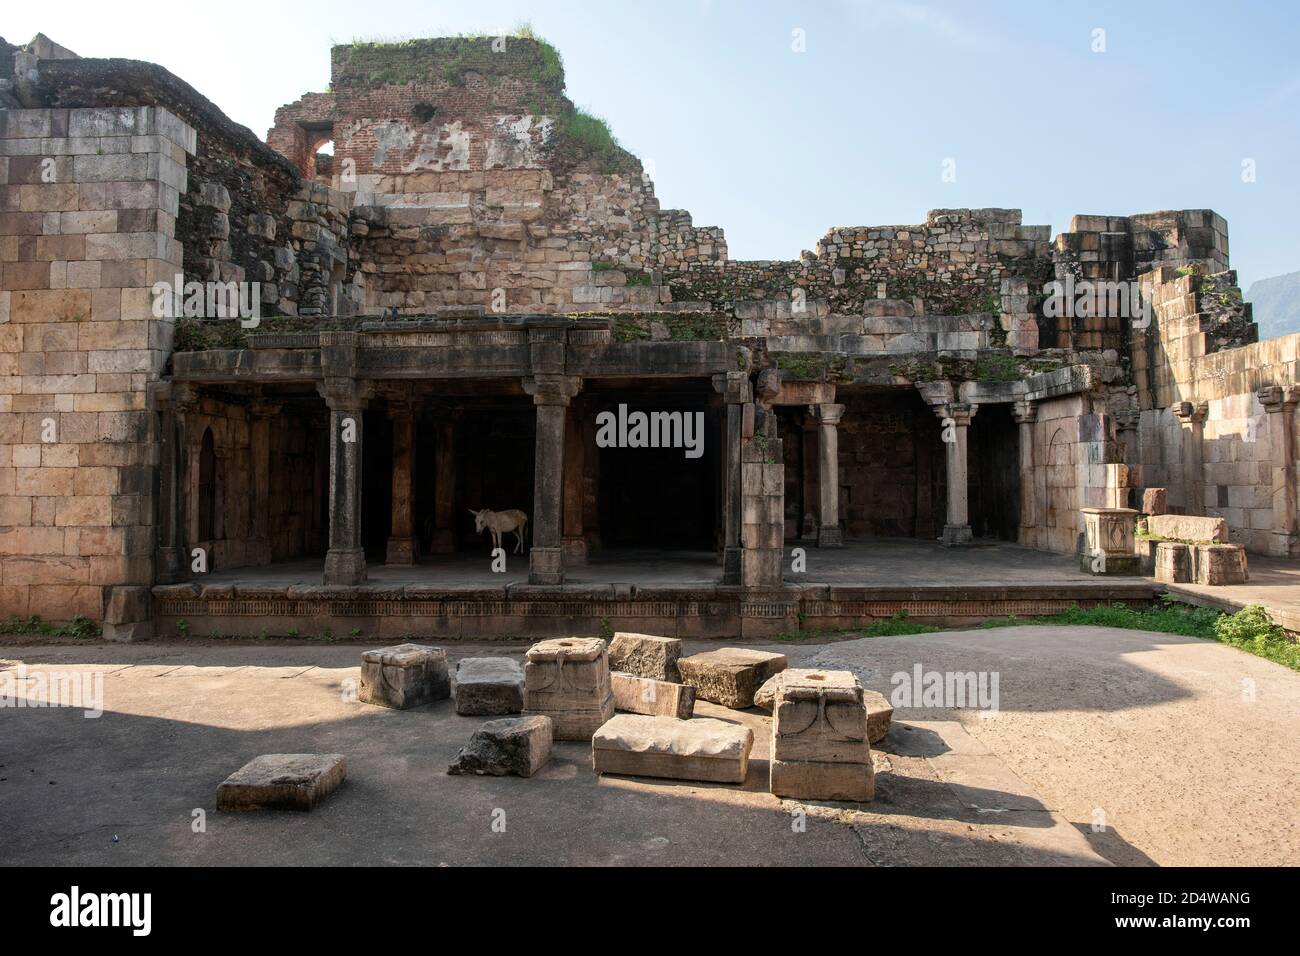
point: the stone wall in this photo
(90, 199)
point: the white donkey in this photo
(499, 522)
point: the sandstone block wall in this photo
(89, 200)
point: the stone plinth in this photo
(567, 679)
(820, 748)
(1190, 528)
(730, 675)
(1108, 541)
(514, 746)
(489, 686)
(406, 675)
(646, 656)
(282, 782)
(658, 698)
(700, 749)
(1220, 564)
(880, 713)
(1173, 562)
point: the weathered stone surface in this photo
(1191, 528)
(489, 686)
(282, 782)
(1155, 501)
(819, 716)
(405, 675)
(642, 695)
(518, 746)
(567, 679)
(699, 749)
(1220, 564)
(730, 675)
(1173, 562)
(645, 655)
(880, 712)
(811, 780)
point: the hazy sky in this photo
(776, 145)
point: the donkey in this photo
(499, 522)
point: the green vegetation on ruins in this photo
(79, 626)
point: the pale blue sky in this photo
(776, 146)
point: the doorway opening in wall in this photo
(629, 500)
(993, 487)
(891, 466)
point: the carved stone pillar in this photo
(1280, 404)
(736, 392)
(828, 474)
(345, 562)
(1025, 413)
(403, 547)
(261, 414)
(176, 405)
(575, 542)
(551, 395)
(955, 419)
(1192, 415)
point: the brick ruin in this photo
(473, 275)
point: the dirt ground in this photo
(1106, 746)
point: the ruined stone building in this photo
(450, 299)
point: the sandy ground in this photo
(1107, 746)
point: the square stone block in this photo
(282, 782)
(405, 675)
(646, 656)
(1155, 501)
(1218, 564)
(1173, 562)
(513, 746)
(730, 675)
(819, 716)
(567, 679)
(659, 698)
(699, 749)
(489, 687)
(811, 780)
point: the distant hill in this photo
(1277, 304)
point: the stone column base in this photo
(345, 566)
(546, 566)
(443, 542)
(956, 536)
(1110, 562)
(402, 551)
(830, 538)
(575, 552)
(171, 565)
(127, 614)
(1284, 545)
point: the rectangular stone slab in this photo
(809, 780)
(658, 698)
(488, 687)
(518, 746)
(1193, 528)
(575, 724)
(730, 675)
(699, 749)
(406, 675)
(645, 655)
(282, 782)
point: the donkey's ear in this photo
(472, 511)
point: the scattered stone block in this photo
(659, 698)
(880, 713)
(1218, 564)
(567, 679)
(699, 749)
(489, 687)
(1155, 501)
(820, 745)
(1190, 528)
(282, 782)
(1108, 541)
(645, 655)
(1173, 562)
(406, 675)
(730, 675)
(513, 746)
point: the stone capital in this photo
(960, 412)
(733, 387)
(1278, 398)
(552, 389)
(1128, 419)
(1190, 413)
(827, 414)
(1024, 412)
(345, 394)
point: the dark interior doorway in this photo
(993, 451)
